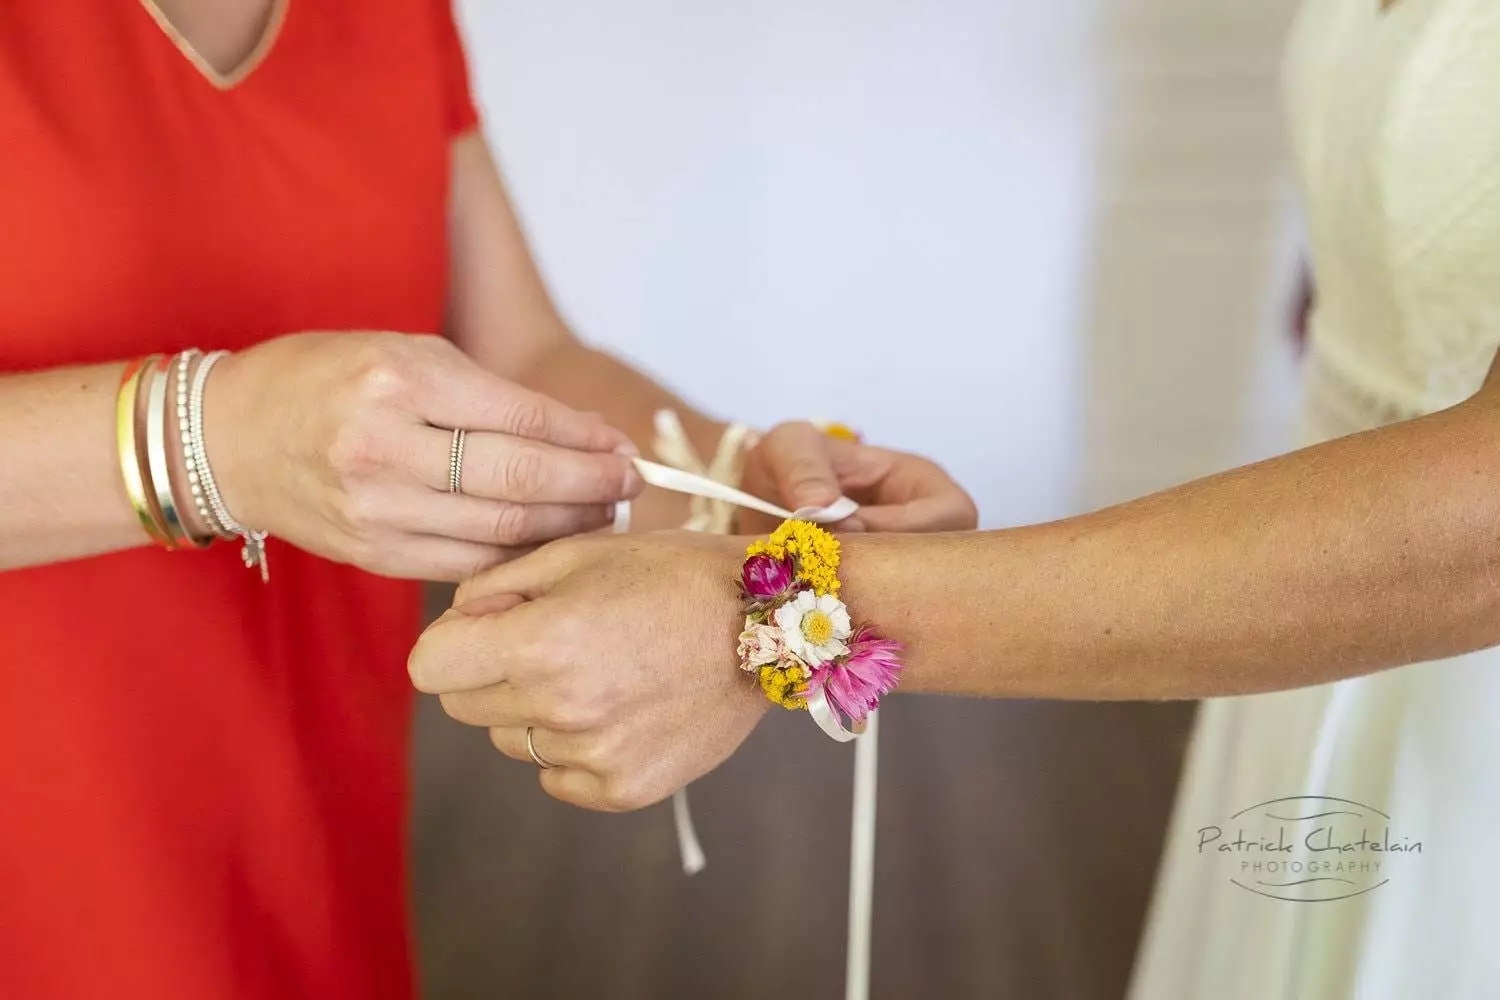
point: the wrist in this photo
(883, 579)
(807, 645)
(944, 598)
(868, 567)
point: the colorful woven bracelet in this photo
(799, 640)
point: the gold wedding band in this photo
(541, 762)
(456, 461)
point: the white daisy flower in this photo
(814, 628)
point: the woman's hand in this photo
(619, 651)
(800, 466)
(339, 443)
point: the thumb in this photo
(798, 463)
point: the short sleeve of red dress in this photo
(204, 777)
(463, 115)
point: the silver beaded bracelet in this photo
(183, 365)
(201, 477)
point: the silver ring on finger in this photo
(456, 461)
(538, 759)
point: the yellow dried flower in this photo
(784, 687)
(841, 431)
(815, 551)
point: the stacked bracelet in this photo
(799, 639)
(145, 462)
(127, 441)
(157, 461)
(184, 366)
(201, 482)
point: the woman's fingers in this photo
(583, 789)
(860, 467)
(901, 492)
(471, 647)
(514, 469)
(949, 511)
(557, 749)
(573, 778)
(459, 393)
(531, 576)
(796, 460)
(496, 522)
(428, 557)
(554, 641)
(503, 660)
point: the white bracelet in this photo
(201, 477)
(184, 364)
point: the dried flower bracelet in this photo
(799, 640)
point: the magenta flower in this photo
(855, 685)
(766, 577)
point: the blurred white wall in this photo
(905, 215)
(873, 210)
(1189, 361)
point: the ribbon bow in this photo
(714, 497)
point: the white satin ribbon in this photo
(834, 723)
(675, 450)
(711, 510)
(862, 863)
(681, 481)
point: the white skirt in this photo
(1333, 843)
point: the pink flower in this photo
(759, 645)
(765, 577)
(855, 685)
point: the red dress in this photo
(203, 780)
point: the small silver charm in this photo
(254, 554)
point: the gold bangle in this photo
(126, 407)
(157, 465)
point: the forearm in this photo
(1366, 552)
(61, 494)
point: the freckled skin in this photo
(1367, 552)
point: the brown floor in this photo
(1017, 845)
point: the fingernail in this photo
(633, 481)
(853, 525)
(818, 498)
(628, 449)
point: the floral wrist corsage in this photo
(799, 640)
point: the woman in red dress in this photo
(204, 775)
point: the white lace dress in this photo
(1396, 125)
